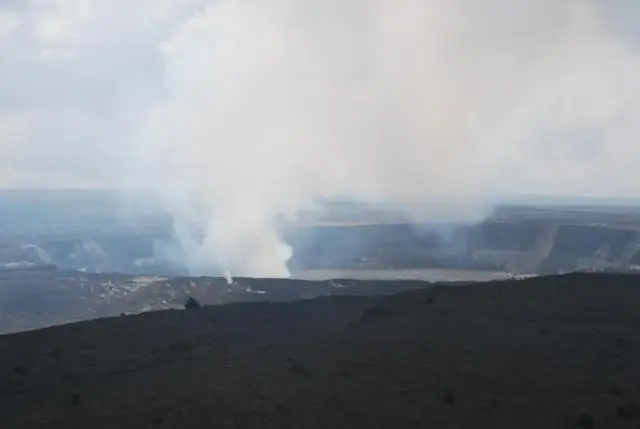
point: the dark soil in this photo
(554, 352)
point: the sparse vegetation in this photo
(192, 304)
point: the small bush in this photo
(192, 304)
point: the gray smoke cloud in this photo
(239, 111)
(272, 103)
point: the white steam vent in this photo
(227, 277)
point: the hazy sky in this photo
(74, 76)
(77, 76)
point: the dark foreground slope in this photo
(556, 352)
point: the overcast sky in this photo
(75, 75)
(78, 77)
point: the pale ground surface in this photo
(428, 274)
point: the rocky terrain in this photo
(37, 298)
(548, 352)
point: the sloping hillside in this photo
(554, 352)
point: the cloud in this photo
(9, 21)
(80, 73)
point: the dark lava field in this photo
(548, 352)
(35, 298)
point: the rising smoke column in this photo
(270, 104)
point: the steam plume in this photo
(271, 104)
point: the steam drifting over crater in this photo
(272, 104)
(242, 111)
